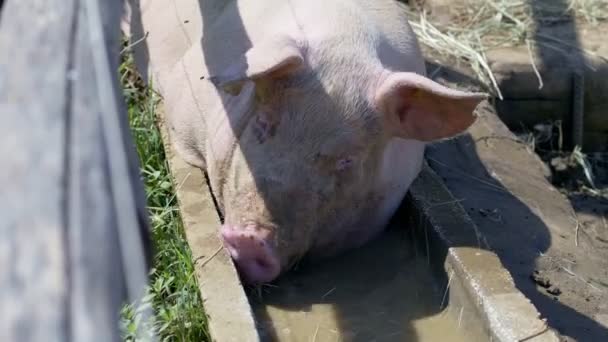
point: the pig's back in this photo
(399, 49)
(376, 29)
(177, 28)
(227, 29)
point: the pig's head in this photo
(307, 159)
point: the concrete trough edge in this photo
(476, 278)
(485, 289)
(229, 315)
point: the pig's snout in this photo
(251, 249)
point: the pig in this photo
(310, 118)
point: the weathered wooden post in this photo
(73, 230)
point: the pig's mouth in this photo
(252, 251)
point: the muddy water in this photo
(381, 292)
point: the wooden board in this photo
(72, 212)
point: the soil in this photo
(541, 80)
(556, 248)
(552, 241)
(551, 227)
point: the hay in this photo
(591, 11)
(581, 159)
(479, 25)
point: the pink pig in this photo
(309, 116)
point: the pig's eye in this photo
(344, 163)
(332, 164)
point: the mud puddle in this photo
(383, 291)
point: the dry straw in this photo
(479, 25)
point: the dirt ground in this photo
(542, 208)
(587, 277)
(552, 240)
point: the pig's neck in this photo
(402, 161)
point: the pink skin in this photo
(359, 63)
(251, 249)
(253, 253)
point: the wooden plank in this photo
(99, 275)
(70, 187)
(230, 317)
(34, 61)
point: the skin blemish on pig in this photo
(266, 122)
(344, 164)
(262, 129)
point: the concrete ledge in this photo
(481, 290)
(229, 315)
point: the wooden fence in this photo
(73, 232)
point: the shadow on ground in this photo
(513, 230)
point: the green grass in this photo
(173, 291)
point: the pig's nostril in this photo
(252, 252)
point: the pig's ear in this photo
(278, 57)
(416, 107)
